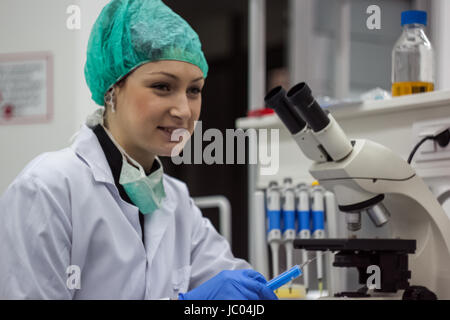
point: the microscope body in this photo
(368, 178)
(371, 170)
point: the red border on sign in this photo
(27, 56)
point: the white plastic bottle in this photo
(412, 57)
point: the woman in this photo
(100, 220)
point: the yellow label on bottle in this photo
(411, 87)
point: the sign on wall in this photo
(26, 88)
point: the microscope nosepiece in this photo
(374, 208)
(353, 220)
(378, 214)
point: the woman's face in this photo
(156, 97)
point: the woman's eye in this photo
(163, 87)
(195, 90)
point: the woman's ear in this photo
(110, 98)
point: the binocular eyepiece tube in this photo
(326, 130)
(276, 99)
(290, 116)
(300, 96)
(299, 111)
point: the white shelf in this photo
(433, 99)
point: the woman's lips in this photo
(168, 131)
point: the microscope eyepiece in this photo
(273, 94)
(276, 99)
(300, 96)
(325, 129)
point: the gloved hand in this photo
(232, 285)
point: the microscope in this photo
(370, 179)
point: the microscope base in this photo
(388, 256)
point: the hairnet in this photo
(129, 33)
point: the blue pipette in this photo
(291, 274)
(284, 278)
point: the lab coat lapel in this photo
(88, 148)
(157, 223)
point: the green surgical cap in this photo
(130, 33)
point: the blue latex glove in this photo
(232, 285)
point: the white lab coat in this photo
(65, 210)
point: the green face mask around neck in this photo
(146, 192)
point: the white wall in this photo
(30, 25)
(84, 104)
(441, 41)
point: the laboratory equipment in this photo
(290, 274)
(298, 128)
(412, 56)
(258, 249)
(303, 214)
(336, 278)
(297, 222)
(318, 226)
(332, 140)
(284, 278)
(274, 222)
(390, 255)
(367, 177)
(288, 220)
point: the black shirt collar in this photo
(113, 155)
(114, 158)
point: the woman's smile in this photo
(168, 133)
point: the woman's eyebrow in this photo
(173, 76)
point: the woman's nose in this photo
(181, 108)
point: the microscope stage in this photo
(385, 245)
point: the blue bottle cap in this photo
(414, 16)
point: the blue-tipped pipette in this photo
(284, 278)
(291, 274)
(318, 219)
(304, 222)
(274, 222)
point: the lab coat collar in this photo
(88, 147)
